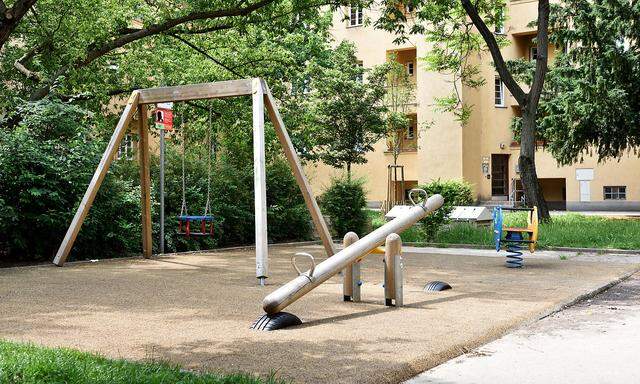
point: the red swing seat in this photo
(206, 225)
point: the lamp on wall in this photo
(502, 146)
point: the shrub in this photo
(454, 192)
(344, 201)
(48, 160)
(46, 163)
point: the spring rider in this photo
(515, 237)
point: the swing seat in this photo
(206, 225)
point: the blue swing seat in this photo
(191, 218)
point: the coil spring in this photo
(514, 250)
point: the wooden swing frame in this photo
(138, 103)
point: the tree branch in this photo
(152, 30)
(542, 55)
(165, 26)
(494, 49)
(205, 54)
(10, 17)
(20, 65)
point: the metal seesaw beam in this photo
(301, 285)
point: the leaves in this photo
(349, 113)
(592, 98)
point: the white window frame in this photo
(356, 16)
(500, 28)
(411, 68)
(498, 92)
(125, 149)
(616, 192)
(360, 77)
(532, 54)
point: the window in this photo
(623, 44)
(533, 53)
(615, 193)
(410, 68)
(410, 134)
(125, 150)
(355, 16)
(499, 28)
(360, 76)
(498, 93)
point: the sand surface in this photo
(196, 309)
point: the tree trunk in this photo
(527, 161)
(349, 171)
(10, 17)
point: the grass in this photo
(569, 230)
(28, 363)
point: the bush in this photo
(344, 201)
(455, 193)
(46, 163)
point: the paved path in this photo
(596, 341)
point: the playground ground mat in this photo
(196, 309)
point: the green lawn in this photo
(27, 363)
(570, 230)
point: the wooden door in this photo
(499, 175)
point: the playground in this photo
(196, 309)
(362, 313)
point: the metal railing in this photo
(515, 199)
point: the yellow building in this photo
(483, 151)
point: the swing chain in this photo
(183, 209)
(207, 207)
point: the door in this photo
(500, 175)
(585, 190)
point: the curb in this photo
(558, 249)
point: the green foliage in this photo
(454, 193)
(94, 48)
(48, 160)
(345, 201)
(278, 42)
(46, 163)
(591, 101)
(30, 364)
(349, 113)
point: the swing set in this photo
(138, 104)
(206, 220)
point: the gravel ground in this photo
(195, 310)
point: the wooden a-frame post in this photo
(96, 180)
(139, 100)
(145, 180)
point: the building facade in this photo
(482, 152)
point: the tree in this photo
(400, 92)
(457, 30)
(591, 102)
(64, 43)
(349, 111)
(11, 16)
